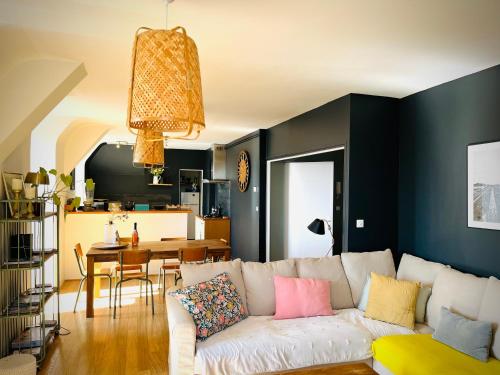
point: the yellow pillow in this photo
(392, 301)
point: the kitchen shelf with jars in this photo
(29, 275)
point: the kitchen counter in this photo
(212, 218)
(87, 228)
(176, 211)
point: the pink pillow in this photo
(300, 298)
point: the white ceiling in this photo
(262, 61)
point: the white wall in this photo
(310, 196)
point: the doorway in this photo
(300, 189)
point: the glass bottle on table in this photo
(135, 236)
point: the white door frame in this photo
(268, 189)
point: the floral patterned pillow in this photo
(214, 305)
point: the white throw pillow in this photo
(196, 273)
(490, 312)
(328, 268)
(417, 269)
(460, 292)
(259, 284)
(358, 266)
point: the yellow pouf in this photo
(422, 355)
(18, 364)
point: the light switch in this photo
(360, 223)
(255, 189)
(257, 208)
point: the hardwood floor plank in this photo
(136, 342)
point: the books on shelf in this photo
(31, 337)
(47, 288)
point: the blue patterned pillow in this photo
(214, 305)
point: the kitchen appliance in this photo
(218, 170)
(191, 201)
(115, 206)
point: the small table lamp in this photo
(318, 227)
(35, 179)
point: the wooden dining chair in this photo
(128, 267)
(188, 255)
(172, 264)
(104, 272)
(128, 257)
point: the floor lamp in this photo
(318, 227)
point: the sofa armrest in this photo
(182, 342)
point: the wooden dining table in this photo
(159, 250)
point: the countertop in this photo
(212, 218)
(177, 211)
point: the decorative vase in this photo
(156, 180)
(110, 233)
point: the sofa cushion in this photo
(490, 312)
(301, 298)
(196, 273)
(357, 267)
(417, 269)
(214, 305)
(472, 337)
(328, 268)
(259, 284)
(424, 294)
(363, 300)
(460, 292)
(421, 355)
(392, 301)
(260, 344)
(376, 328)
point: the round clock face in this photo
(243, 170)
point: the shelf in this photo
(30, 339)
(161, 184)
(25, 220)
(31, 306)
(36, 262)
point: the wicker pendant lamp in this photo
(165, 90)
(148, 149)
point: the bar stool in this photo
(128, 257)
(105, 272)
(172, 264)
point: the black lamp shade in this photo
(317, 226)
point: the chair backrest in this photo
(135, 257)
(79, 259)
(126, 239)
(173, 238)
(193, 254)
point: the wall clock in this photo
(243, 170)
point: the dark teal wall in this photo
(373, 173)
(248, 224)
(435, 127)
(117, 179)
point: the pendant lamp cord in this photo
(166, 12)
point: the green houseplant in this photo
(61, 186)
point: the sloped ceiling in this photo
(262, 61)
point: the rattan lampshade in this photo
(148, 149)
(165, 91)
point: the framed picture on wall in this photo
(7, 184)
(483, 185)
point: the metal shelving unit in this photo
(29, 270)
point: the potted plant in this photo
(59, 190)
(156, 172)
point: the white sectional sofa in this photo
(260, 344)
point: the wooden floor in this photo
(136, 342)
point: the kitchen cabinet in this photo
(213, 228)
